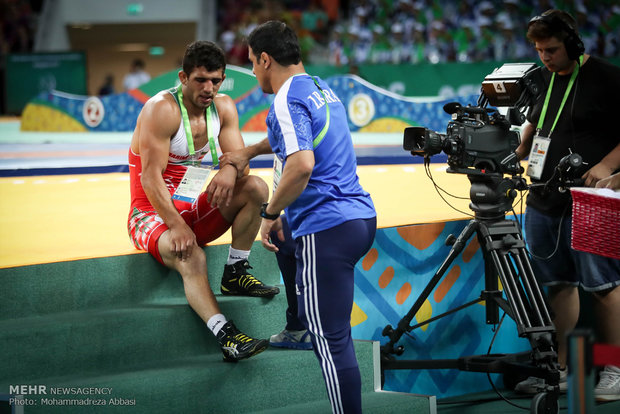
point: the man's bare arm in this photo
(294, 179)
(527, 136)
(241, 158)
(157, 122)
(221, 188)
(607, 166)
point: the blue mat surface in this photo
(55, 153)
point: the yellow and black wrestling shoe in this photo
(236, 345)
(238, 281)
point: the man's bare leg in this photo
(564, 301)
(608, 314)
(243, 212)
(195, 281)
(235, 345)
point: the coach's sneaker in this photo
(532, 385)
(608, 387)
(237, 345)
(291, 339)
(238, 281)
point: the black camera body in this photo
(479, 140)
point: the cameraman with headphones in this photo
(577, 112)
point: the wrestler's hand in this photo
(596, 173)
(267, 226)
(236, 158)
(182, 240)
(221, 188)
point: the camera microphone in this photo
(451, 107)
(456, 108)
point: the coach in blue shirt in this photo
(331, 218)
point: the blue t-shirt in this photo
(333, 194)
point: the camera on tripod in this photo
(479, 140)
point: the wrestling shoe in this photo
(238, 281)
(608, 387)
(532, 385)
(291, 339)
(236, 345)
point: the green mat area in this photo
(119, 331)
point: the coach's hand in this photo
(267, 226)
(236, 159)
(221, 188)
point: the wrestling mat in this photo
(67, 217)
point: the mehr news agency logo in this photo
(42, 395)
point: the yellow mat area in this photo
(67, 217)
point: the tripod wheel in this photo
(544, 403)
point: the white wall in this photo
(57, 14)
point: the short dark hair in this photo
(552, 23)
(203, 53)
(277, 40)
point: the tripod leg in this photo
(490, 284)
(404, 323)
(509, 280)
(506, 249)
(536, 291)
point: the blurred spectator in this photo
(238, 53)
(227, 40)
(417, 51)
(510, 45)
(465, 41)
(511, 15)
(137, 75)
(400, 46)
(439, 47)
(428, 30)
(108, 85)
(379, 47)
(588, 28)
(610, 32)
(335, 45)
(314, 21)
(485, 44)
(360, 39)
(16, 27)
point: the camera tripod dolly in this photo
(505, 258)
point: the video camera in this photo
(479, 140)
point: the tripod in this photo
(505, 257)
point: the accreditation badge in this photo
(192, 183)
(277, 172)
(538, 155)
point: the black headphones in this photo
(572, 42)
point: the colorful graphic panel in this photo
(389, 280)
(370, 108)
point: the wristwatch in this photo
(264, 214)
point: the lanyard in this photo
(188, 129)
(548, 97)
(316, 141)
